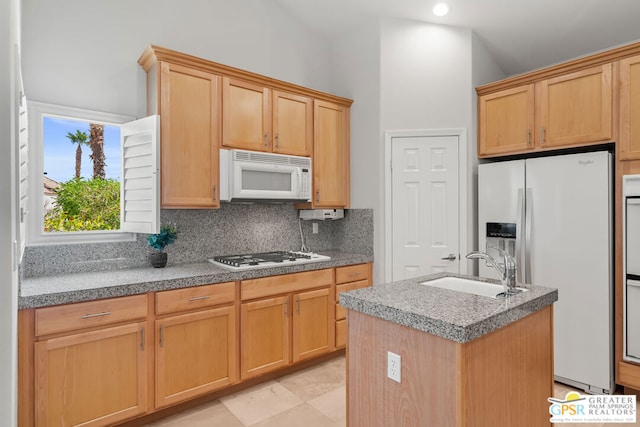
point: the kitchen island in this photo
(465, 360)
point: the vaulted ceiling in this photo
(522, 35)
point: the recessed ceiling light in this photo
(441, 9)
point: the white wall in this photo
(426, 84)
(406, 74)
(9, 39)
(484, 70)
(84, 53)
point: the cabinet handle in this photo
(354, 274)
(286, 308)
(266, 139)
(277, 140)
(318, 196)
(199, 298)
(298, 306)
(161, 335)
(214, 193)
(542, 134)
(142, 340)
(89, 316)
(528, 137)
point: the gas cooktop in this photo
(266, 259)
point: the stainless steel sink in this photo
(469, 286)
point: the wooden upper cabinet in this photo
(630, 108)
(575, 109)
(189, 108)
(246, 112)
(506, 121)
(292, 124)
(330, 155)
(569, 110)
(259, 119)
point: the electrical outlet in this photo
(314, 228)
(394, 366)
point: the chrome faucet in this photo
(507, 270)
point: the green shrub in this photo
(83, 205)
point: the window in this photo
(76, 175)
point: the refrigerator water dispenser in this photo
(500, 235)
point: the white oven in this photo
(252, 175)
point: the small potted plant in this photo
(167, 235)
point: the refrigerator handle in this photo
(527, 240)
(518, 254)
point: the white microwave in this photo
(252, 175)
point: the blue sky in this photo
(60, 153)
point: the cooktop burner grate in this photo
(266, 259)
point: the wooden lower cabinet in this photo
(265, 326)
(311, 334)
(91, 378)
(349, 278)
(289, 328)
(195, 354)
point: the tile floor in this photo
(314, 397)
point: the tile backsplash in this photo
(202, 234)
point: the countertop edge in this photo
(460, 331)
(70, 288)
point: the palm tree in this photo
(97, 148)
(80, 138)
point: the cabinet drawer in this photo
(341, 333)
(341, 312)
(285, 283)
(69, 317)
(352, 273)
(195, 297)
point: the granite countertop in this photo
(457, 316)
(69, 288)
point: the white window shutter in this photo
(140, 176)
(22, 165)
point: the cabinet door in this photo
(195, 354)
(265, 342)
(630, 108)
(313, 324)
(292, 124)
(92, 378)
(246, 115)
(190, 137)
(575, 109)
(506, 121)
(330, 155)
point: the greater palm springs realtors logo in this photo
(593, 408)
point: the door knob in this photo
(451, 257)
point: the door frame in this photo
(463, 189)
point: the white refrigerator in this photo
(554, 215)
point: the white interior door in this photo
(424, 205)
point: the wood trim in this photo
(153, 54)
(578, 64)
(26, 363)
(629, 375)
